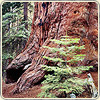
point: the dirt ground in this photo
(33, 92)
(30, 93)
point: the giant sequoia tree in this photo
(51, 21)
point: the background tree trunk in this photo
(52, 20)
(26, 14)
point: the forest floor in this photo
(33, 92)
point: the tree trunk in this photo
(52, 20)
(26, 14)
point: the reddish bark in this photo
(53, 20)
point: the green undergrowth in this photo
(62, 79)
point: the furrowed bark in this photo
(52, 20)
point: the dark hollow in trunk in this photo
(14, 74)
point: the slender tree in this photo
(26, 14)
